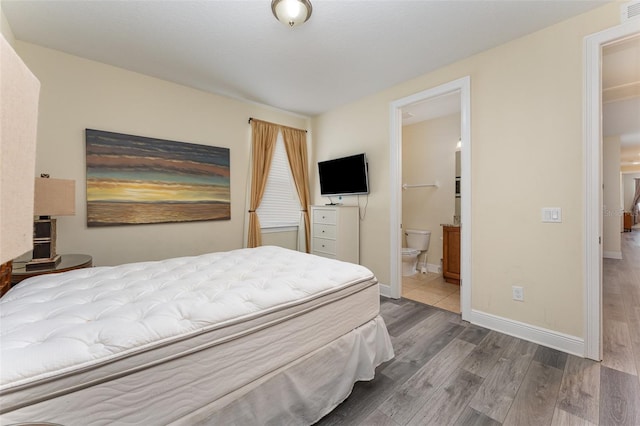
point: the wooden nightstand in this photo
(68, 262)
(5, 277)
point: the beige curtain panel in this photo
(264, 136)
(295, 143)
(263, 140)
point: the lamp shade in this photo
(54, 197)
(291, 12)
(18, 123)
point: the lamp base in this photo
(46, 263)
(44, 245)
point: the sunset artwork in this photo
(136, 180)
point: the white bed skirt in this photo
(306, 390)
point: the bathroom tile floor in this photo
(432, 289)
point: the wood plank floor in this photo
(448, 372)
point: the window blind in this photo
(280, 206)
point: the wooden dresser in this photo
(451, 254)
(5, 277)
(335, 232)
(628, 221)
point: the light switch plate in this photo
(552, 214)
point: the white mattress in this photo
(197, 329)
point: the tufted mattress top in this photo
(66, 324)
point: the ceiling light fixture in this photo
(291, 12)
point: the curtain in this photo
(295, 143)
(263, 143)
(636, 200)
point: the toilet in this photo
(417, 241)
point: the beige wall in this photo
(78, 93)
(611, 198)
(527, 153)
(428, 155)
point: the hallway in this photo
(621, 308)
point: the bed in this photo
(250, 336)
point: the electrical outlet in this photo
(518, 293)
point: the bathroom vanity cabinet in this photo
(335, 232)
(451, 254)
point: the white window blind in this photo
(280, 206)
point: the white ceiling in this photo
(347, 50)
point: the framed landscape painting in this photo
(137, 180)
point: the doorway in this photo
(593, 192)
(430, 154)
(462, 87)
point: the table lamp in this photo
(53, 197)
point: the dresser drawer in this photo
(335, 232)
(324, 246)
(324, 216)
(324, 231)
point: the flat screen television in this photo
(344, 176)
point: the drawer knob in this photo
(323, 246)
(323, 231)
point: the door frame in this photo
(463, 86)
(592, 207)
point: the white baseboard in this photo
(431, 267)
(612, 254)
(552, 339)
(549, 338)
(385, 290)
